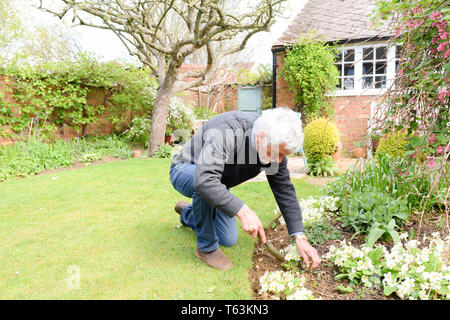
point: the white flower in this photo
(403, 236)
(435, 285)
(420, 269)
(404, 269)
(390, 263)
(423, 294)
(301, 294)
(409, 258)
(291, 253)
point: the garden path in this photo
(297, 169)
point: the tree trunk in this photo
(158, 128)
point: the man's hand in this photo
(306, 251)
(251, 223)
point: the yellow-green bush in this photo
(394, 144)
(321, 139)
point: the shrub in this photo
(179, 116)
(393, 144)
(321, 139)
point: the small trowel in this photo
(274, 252)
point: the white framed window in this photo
(366, 69)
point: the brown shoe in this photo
(180, 206)
(216, 259)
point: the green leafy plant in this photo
(310, 72)
(28, 158)
(164, 151)
(399, 177)
(23, 159)
(375, 214)
(321, 232)
(325, 167)
(262, 75)
(202, 113)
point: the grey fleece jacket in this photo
(225, 157)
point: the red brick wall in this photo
(7, 98)
(352, 117)
(352, 112)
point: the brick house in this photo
(367, 62)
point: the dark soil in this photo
(321, 281)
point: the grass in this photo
(115, 222)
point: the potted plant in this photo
(138, 135)
(336, 156)
(137, 153)
(360, 150)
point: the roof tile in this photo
(334, 20)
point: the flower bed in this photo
(349, 270)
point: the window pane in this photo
(349, 69)
(368, 54)
(339, 56)
(380, 82)
(368, 68)
(339, 68)
(367, 82)
(339, 85)
(380, 68)
(381, 53)
(349, 55)
(349, 83)
(398, 52)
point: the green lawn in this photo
(115, 222)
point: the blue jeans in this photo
(212, 226)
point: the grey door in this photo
(250, 99)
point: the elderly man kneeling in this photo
(229, 149)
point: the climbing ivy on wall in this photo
(310, 72)
(50, 95)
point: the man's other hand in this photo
(307, 251)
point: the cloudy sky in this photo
(105, 44)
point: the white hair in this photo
(281, 125)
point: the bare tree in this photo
(146, 27)
(10, 28)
